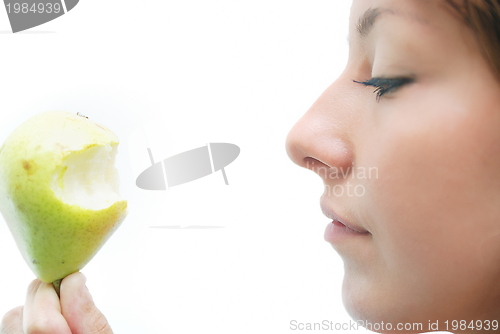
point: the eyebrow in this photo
(367, 20)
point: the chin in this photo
(358, 300)
(368, 302)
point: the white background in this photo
(173, 76)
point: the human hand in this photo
(44, 313)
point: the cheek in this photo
(436, 200)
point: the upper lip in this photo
(327, 211)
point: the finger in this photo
(42, 310)
(12, 322)
(78, 307)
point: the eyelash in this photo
(385, 85)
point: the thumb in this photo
(78, 308)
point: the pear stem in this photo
(57, 287)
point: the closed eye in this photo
(386, 85)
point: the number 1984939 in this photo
(35, 8)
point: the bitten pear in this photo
(59, 191)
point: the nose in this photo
(322, 139)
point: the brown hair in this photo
(483, 17)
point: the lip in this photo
(339, 228)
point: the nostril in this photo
(316, 166)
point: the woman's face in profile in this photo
(414, 167)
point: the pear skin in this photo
(58, 191)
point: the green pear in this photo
(59, 191)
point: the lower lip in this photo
(336, 232)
